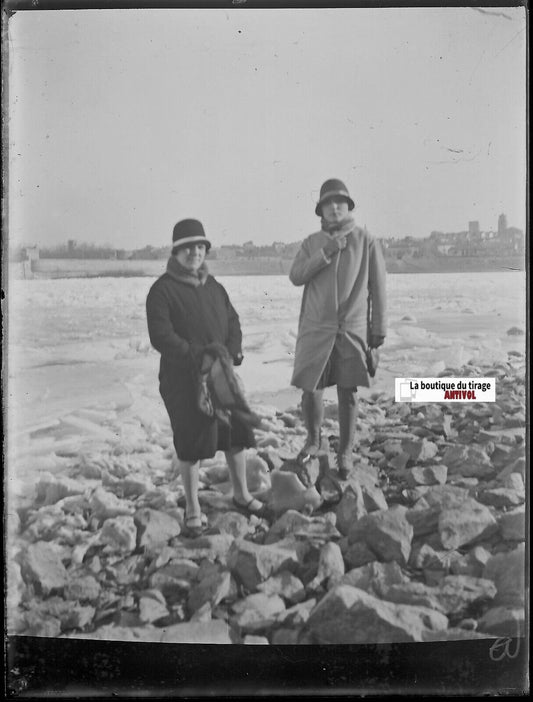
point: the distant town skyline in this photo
(122, 122)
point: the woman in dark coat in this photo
(187, 309)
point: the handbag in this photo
(220, 391)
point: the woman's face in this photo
(191, 256)
(335, 209)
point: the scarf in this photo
(183, 275)
(343, 228)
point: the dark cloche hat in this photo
(189, 231)
(331, 188)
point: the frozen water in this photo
(76, 343)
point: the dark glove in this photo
(237, 360)
(334, 245)
(375, 341)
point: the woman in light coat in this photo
(342, 315)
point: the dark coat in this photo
(184, 315)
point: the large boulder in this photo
(253, 563)
(465, 523)
(348, 615)
(386, 532)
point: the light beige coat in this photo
(344, 295)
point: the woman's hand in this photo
(375, 341)
(335, 244)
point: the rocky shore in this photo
(425, 542)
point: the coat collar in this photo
(176, 271)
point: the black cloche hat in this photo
(331, 188)
(189, 231)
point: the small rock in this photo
(469, 461)
(119, 533)
(298, 614)
(284, 584)
(288, 523)
(151, 609)
(330, 566)
(42, 566)
(289, 493)
(257, 473)
(232, 523)
(105, 505)
(374, 498)
(307, 472)
(375, 578)
(501, 497)
(84, 589)
(252, 563)
(350, 508)
(174, 575)
(457, 592)
(465, 523)
(513, 525)
(503, 621)
(358, 554)
(135, 485)
(423, 521)
(155, 528)
(412, 593)
(386, 532)
(507, 571)
(257, 610)
(427, 475)
(418, 450)
(51, 489)
(212, 589)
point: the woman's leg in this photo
(236, 459)
(189, 475)
(347, 420)
(313, 414)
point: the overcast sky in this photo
(122, 122)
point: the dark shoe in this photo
(311, 449)
(194, 526)
(247, 510)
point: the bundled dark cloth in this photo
(220, 390)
